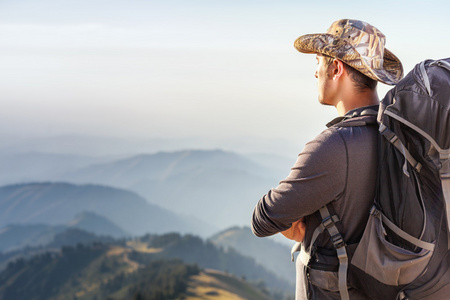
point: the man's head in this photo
(358, 45)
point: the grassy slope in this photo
(208, 285)
(216, 285)
(213, 284)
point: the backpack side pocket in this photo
(384, 261)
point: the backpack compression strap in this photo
(328, 223)
(338, 242)
(394, 140)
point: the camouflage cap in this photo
(359, 45)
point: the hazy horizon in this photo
(211, 71)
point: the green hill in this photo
(215, 285)
(50, 243)
(96, 272)
(169, 266)
(192, 249)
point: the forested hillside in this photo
(170, 266)
(193, 249)
(93, 273)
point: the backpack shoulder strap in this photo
(366, 117)
(328, 222)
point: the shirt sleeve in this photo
(318, 177)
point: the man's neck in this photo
(356, 100)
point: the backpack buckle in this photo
(327, 222)
(337, 241)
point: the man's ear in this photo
(338, 69)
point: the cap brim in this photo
(313, 43)
(327, 44)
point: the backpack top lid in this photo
(421, 101)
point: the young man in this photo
(338, 168)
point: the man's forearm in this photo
(263, 224)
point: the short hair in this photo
(361, 81)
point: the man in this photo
(336, 170)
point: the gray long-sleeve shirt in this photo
(338, 166)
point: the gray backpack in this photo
(404, 250)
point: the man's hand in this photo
(296, 232)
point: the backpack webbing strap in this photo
(394, 140)
(441, 63)
(322, 226)
(426, 80)
(304, 254)
(423, 71)
(338, 242)
(445, 180)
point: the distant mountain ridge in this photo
(107, 146)
(97, 224)
(161, 165)
(17, 236)
(36, 166)
(215, 186)
(59, 203)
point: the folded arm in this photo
(317, 178)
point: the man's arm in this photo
(318, 177)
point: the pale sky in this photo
(208, 69)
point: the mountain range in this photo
(214, 186)
(60, 199)
(17, 236)
(60, 203)
(34, 214)
(104, 146)
(38, 166)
